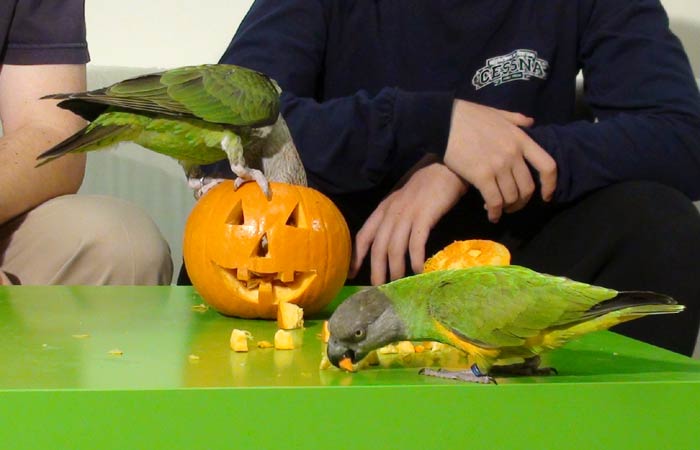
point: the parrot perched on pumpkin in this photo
(500, 316)
(198, 115)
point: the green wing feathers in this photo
(225, 94)
(218, 93)
(185, 113)
(501, 306)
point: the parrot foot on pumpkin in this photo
(202, 185)
(472, 375)
(529, 367)
(231, 145)
(246, 174)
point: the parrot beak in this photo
(337, 352)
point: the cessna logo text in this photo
(518, 65)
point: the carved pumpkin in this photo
(245, 254)
(468, 253)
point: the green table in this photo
(62, 389)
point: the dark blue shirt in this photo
(42, 32)
(369, 84)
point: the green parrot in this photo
(198, 115)
(502, 317)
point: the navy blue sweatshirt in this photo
(369, 85)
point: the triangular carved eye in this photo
(236, 216)
(297, 218)
(261, 250)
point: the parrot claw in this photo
(467, 375)
(246, 174)
(202, 185)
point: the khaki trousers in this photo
(84, 240)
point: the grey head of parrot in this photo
(363, 322)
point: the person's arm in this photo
(30, 126)
(639, 85)
(346, 144)
(403, 221)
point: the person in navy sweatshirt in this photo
(428, 122)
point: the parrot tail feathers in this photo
(81, 141)
(622, 308)
(79, 104)
(628, 299)
(56, 96)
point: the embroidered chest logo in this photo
(518, 65)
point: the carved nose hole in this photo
(261, 250)
(236, 216)
(296, 218)
(293, 220)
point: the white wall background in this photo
(161, 33)
(170, 33)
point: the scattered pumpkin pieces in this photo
(116, 352)
(288, 339)
(325, 333)
(325, 362)
(80, 336)
(405, 347)
(372, 359)
(289, 316)
(389, 349)
(468, 253)
(239, 340)
(193, 358)
(404, 354)
(265, 344)
(200, 308)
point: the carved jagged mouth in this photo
(261, 286)
(253, 280)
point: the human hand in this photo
(487, 148)
(402, 222)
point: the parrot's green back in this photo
(507, 306)
(184, 113)
(218, 93)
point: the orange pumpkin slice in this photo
(239, 340)
(289, 316)
(325, 332)
(288, 339)
(346, 364)
(468, 253)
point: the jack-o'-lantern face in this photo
(245, 254)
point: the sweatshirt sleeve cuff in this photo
(423, 121)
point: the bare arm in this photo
(31, 126)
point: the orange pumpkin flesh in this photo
(245, 254)
(289, 316)
(468, 253)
